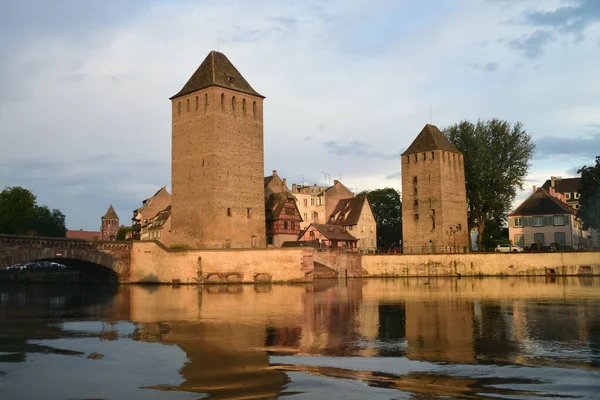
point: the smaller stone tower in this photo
(434, 198)
(109, 225)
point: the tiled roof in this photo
(110, 213)
(81, 234)
(431, 138)
(216, 70)
(347, 211)
(334, 232)
(541, 203)
(566, 185)
(160, 218)
(268, 179)
(276, 203)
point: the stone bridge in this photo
(105, 261)
(338, 263)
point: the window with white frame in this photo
(576, 195)
(518, 222)
(568, 196)
(538, 221)
(559, 220)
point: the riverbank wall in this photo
(153, 263)
(473, 264)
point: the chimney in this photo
(274, 172)
(534, 188)
(554, 180)
(294, 188)
(335, 181)
(283, 180)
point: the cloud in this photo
(573, 18)
(532, 45)
(394, 176)
(487, 67)
(567, 147)
(356, 148)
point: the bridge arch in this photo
(95, 258)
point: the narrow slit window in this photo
(228, 211)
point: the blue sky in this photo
(84, 86)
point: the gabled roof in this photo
(216, 70)
(430, 138)
(110, 213)
(347, 211)
(160, 218)
(268, 179)
(566, 185)
(541, 203)
(276, 203)
(333, 232)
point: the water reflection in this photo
(465, 338)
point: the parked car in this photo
(542, 247)
(508, 248)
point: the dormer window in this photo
(568, 196)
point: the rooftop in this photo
(431, 138)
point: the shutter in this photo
(548, 221)
(511, 222)
(525, 222)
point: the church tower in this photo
(434, 198)
(109, 224)
(217, 159)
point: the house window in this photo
(293, 225)
(305, 203)
(248, 213)
(289, 211)
(312, 235)
(538, 221)
(568, 196)
(305, 216)
(538, 238)
(576, 196)
(285, 225)
(559, 220)
(312, 201)
(350, 227)
(228, 211)
(519, 240)
(518, 222)
(559, 238)
(315, 216)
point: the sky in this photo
(85, 116)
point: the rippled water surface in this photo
(513, 338)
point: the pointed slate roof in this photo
(217, 70)
(431, 138)
(542, 203)
(110, 213)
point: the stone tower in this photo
(434, 199)
(217, 159)
(109, 225)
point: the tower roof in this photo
(110, 213)
(431, 138)
(217, 70)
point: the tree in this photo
(589, 195)
(122, 232)
(20, 215)
(387, 208)
(497, 157)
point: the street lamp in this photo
(453, 230)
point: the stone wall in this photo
(346, 264)
(153, 263)
(498, 264)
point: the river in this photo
(511, 338)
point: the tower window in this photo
(285, 225)
(408, 159)
(254, 108)
(188, 104)
(416, 217)
(424, 156)
(228, 211)
(244, 106)
(197, 103)
(415, 180)
(416, 157)
(203, 162)
(433, 155)
(223, 101)
(205, 101)
(179, 108)
(233, 104)
(247, 212)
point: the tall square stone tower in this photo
(217, 159)
(434, 198)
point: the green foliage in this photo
(494, 234)
(589, 195)
(20, 215)
(387, 208)
(122, 232)
(497, 156)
